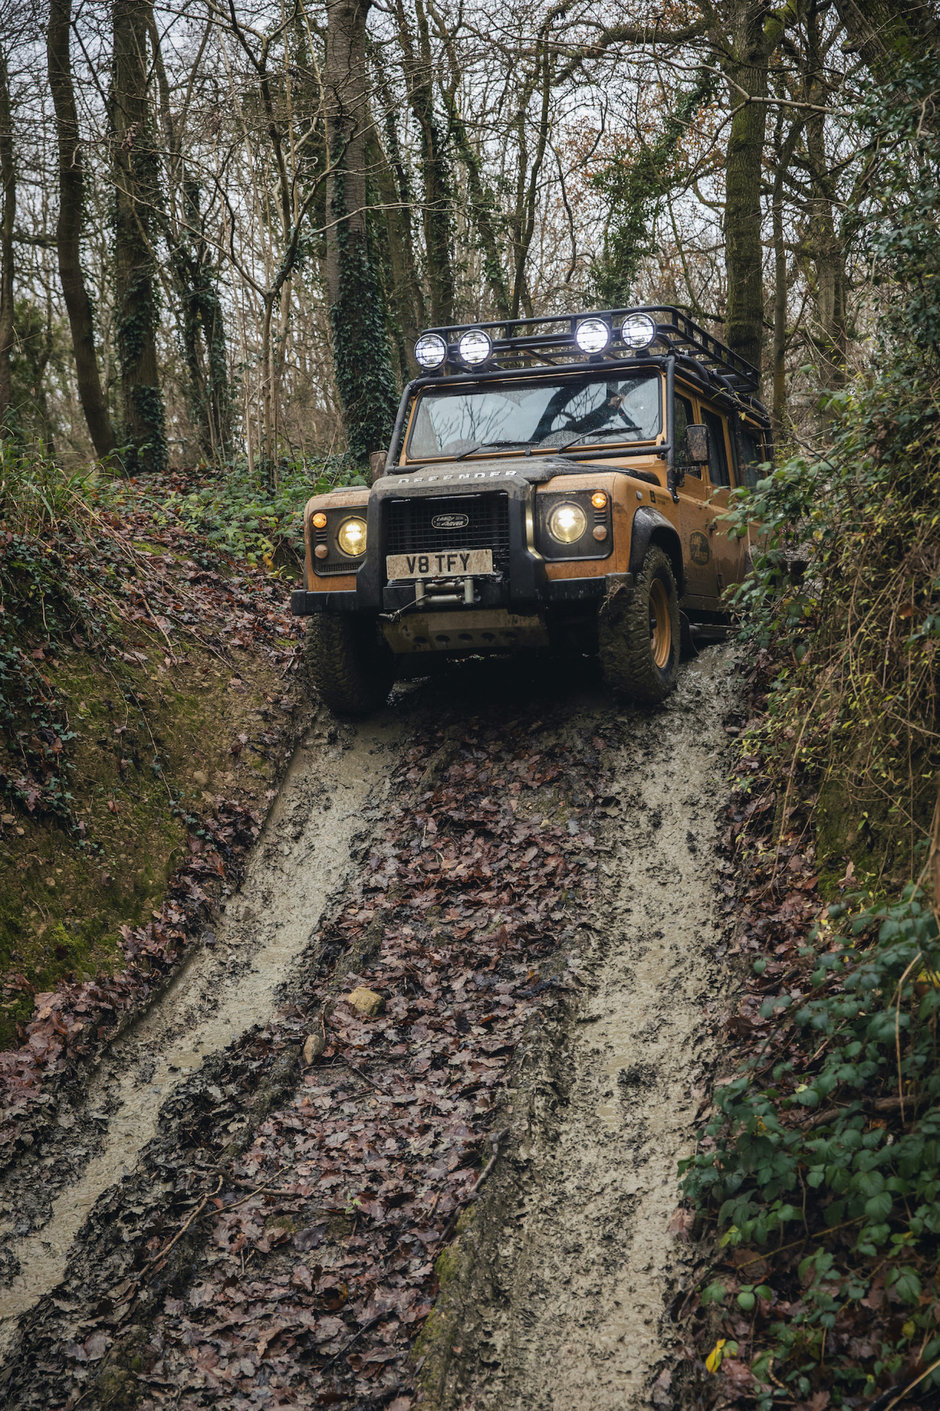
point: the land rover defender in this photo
(551, 483)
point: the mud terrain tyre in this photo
(347, 664)
(639, 634)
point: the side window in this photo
(752, 453)
(717, 454)
(684, 414)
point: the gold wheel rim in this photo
(660, 624)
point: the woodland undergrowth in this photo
(820, 1169)
(147, 692)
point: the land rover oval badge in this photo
(450, 521)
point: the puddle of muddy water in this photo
(226, 988)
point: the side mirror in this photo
(697, 442)
(377, 461)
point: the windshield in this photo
(559, 413)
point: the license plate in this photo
(448, 563)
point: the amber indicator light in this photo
(319, 520)
(599, 500)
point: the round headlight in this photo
(351, 537)
(592, 335)
(475, 347)
(567, 523)
(430, 350)
(638, 331)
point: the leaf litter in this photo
(276, 1245)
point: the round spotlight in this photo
(638, 331)
(430, 350)
(567, 523)
(592, 335)
(475, 347)
(351, 537)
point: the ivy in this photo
(821, 1164)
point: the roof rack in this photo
(530, 342)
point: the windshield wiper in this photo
(581, 438)
(493, 446)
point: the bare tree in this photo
(69, 229)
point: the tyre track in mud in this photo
(562, 1292)
(221, 991)
(596, 1116)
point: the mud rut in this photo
(558, 1289)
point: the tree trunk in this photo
(7, 218)
(69, 231)
(886, 33)
(822, 242)
(360, 339)
(746, 70)
(193, 271)
(438, 194)
(135, 200)
(752, 33)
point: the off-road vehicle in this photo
(551, 483)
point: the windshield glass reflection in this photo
(560, 414)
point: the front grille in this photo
(411, 530)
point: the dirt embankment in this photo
(268, 1185)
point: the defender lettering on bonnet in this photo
(592, 522)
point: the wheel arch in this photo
(649, 528)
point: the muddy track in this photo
(560, 1050)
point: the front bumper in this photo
(400, 597)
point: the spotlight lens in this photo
(475, 347)
(592, 335)
(351, 537)
(638, 331)
(430, 350)
(567, 523)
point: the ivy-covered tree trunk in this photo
(752, 33)
(135, 201)
(357, 314)
(69, 231)
(7, 219)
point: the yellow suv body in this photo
(553, 482)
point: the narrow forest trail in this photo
(574, 1260)
(249, 1205)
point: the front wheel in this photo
(347, 664)
(639, 635)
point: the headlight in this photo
(567, 523)
(351, 537)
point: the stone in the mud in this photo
(366, 1001)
